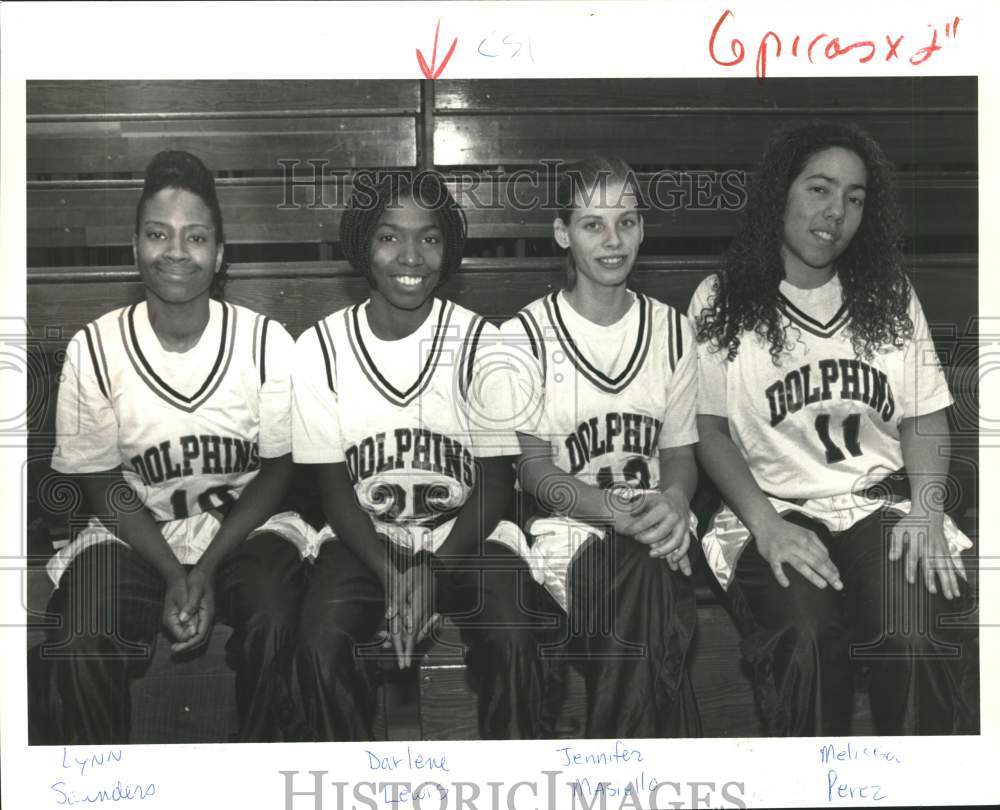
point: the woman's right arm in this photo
(349, 521)
(117, 505)
(778, 540)
(562, 493)
(317, 441)
(87, 449)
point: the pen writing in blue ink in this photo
(398, 792)
(853, 751)
(117, 793)
(412, 760)
(848, 791)
(510, 46)
(621, 753)
(113, 756)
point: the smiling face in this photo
(407, 253)
(603, 234)
(822, 214)
(176, 250)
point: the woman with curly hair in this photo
(822, 422)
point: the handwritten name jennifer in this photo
(621, 753)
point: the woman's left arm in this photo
(670, 536)
(678, 481)
(264, 495)
(926, 443)
(260, 500)
(486, 506)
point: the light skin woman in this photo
(608, 462)
(823, 424)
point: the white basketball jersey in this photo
(187, 428)
(400, 414)
(823, 422)
(611, 396)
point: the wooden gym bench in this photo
(283, 153)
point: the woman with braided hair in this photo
(822, 421)
(395, 407)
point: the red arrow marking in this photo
(431, 72)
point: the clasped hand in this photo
(189, 609)
(659, 520)
(409, 611)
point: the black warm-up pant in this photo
(109, 605)
(802, 642)
(334, 666)
(628, 630)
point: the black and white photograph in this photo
(623, 413)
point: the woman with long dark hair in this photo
(822, 421)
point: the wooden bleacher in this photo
(284, 153)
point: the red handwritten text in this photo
(824, 46)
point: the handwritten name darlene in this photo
(411, 760)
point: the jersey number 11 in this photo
(852, 437)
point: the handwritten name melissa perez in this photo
(118, 792)
(837, 787)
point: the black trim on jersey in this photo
(93, 360)
(597, 378)
(675, 339)
(103, 358)
(534, 333)
(471, 343)
(326, 358)
(256, 334)
(810, 324)
(380, 383)
(263, 351)
(679, 320)
(145, 371)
